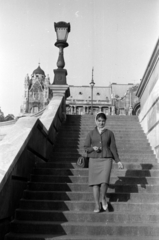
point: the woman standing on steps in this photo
(101, 149)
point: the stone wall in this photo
(30, 140)
(148, 92)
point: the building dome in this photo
(38, 71)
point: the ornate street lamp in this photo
(92, 83)
(62, 30)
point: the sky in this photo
(116, 37)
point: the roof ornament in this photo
(92, 83)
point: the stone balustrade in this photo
(29, 140)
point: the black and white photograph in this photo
(79, 119)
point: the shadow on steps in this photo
(128, 185)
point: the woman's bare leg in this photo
(104, 187)
(96, 194)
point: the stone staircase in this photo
(58, 204)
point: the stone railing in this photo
(30, 140)
(6, 123)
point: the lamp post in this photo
(92, 83)
(62, 30)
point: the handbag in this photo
(83, 162)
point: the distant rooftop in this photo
(84, 92)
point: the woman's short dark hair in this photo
(101, 115)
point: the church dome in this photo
(38, 71)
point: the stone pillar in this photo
(130, 111)
(71, 110)
(75, 110)
(108, 111)
(60, 92)
(113, 110)
(84, 110)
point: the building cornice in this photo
(84, 86)
(149, 69)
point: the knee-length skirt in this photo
(99, 170)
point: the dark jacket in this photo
(106, 141)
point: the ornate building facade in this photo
(126, 103)
(115, 99)
(79, 101)
(36, 92)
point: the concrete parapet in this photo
(29, 140)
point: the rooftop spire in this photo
(92, 74)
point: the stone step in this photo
(115, 122)
(122, 207)
(83, 132)
(85, 216)
(13, 236)
(122, 154)
(111, 126)
(75, 187)
(88, 118)
(84, 172)
(84, 179)
(139, 146)
(109, 121)
(139, 159)
(133, 141)
(118, 135)
(71, 165)
(74, 118)
(124, 143)
(88, 196)
(91, 123)
(125, 159)
(120, 139)
(125, 128)
(118, 131)
(120, 146)
(115, 129)
(85, 228)
(121, 150)
(131, 145)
